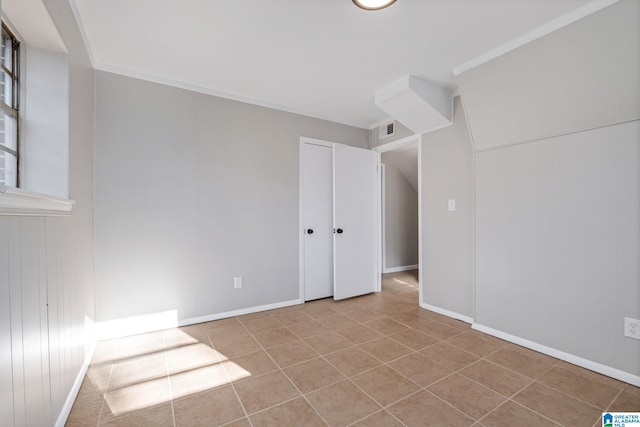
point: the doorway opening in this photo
(400, 217)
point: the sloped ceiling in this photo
(405, 158)
(323, 58)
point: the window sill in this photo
(17, 201)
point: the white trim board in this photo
(383, 148)
(240, 312)
(65, 411)
(18, 201)
(446, 312)
(401, 268)
(156, 322)
(382, 229)
(535, 34)
(567, 357)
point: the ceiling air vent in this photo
(387, 130)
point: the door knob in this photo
(339, 231)
(309, 231)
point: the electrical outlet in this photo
(237, 282)
(632, 328)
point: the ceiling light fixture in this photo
(373, 4)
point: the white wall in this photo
(401, 217)
(558, 190)
(44, 112)
(47, 300)
(447, 237)
(192, 190)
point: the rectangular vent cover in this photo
(387, 130)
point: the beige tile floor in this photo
(376, 360)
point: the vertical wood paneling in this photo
(42, 316)
(53, 261)
(6, 374)
(33, 301)
(44, 322)
(68, 325)
(17, 349)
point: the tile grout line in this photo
(383, 363)
(353, 345)
(104, 394)
(522, 406)
(288, 379)
(614, 399)
(348, 378)
(386, 313)
(537, 380)
(507, 398)
(424, 388)
(377, 412)
(166, 361)
(231, 383)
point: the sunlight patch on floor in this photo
(147, 376)
(402, 282)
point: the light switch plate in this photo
(452, 205)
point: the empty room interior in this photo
(331, 213)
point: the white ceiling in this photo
(324, 58)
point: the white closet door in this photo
(354, 214)
(318, 221)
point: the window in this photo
(9, 107)
(34, 123)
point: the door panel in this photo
(355, 178)
(318, 217)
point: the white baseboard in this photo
(567, 357)
(402, 268)
(63, 416)
(447, 313)
(165, 320)
(218, 316)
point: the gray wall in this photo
(401, 217)
(557, 229)
(557, 236)
(447, 237)
(192, 190)
(49, 261)
(401, 131)
(579, 77)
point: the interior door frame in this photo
(417, 138)
(301, 218)
(383, 213)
